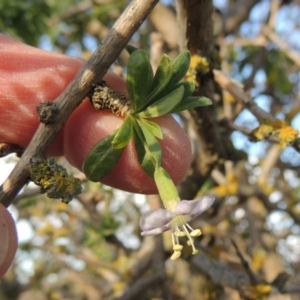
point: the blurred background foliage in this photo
(250, 248)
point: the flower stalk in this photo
(176, 215)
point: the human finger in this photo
(29, 76)
(8, 240)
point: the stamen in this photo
(189, 227)
(177, 247)
(175, 255)
(190, 242)
(176, 239)
(195, 233)
(189, 239)
(180, 233)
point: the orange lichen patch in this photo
(279, 129)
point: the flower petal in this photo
(194, 207)
(156, 219)
(156, 231)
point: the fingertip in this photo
(8, 240)
(87, 126)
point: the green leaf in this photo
(161, 79)
(130, 49)
(181, 65)
(152, 143)
(139, 78)
(153, 128)
(179, 68)
(163, 106)
(144, 156)
(191, 102)
(124, 134)
(189, 88)
(102, 158)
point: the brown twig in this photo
(269, 163)
(219, 272)
(76, 91)
(238, 93)
(245, 264)
(140, 286)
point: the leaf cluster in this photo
(150, 96)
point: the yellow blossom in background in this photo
(60, 232)
(118, 288)
(227, 97)
(266, 188)
(61, 206)
(228, 188)
(220, 190)
(45, 230)
(258, 260)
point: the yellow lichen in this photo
(258, 291)
(198, 65)
(262, 132)
(285, 134)
(54, 179)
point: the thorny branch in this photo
(92, 72)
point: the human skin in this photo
(28, 76)
(8, 240)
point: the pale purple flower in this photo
(175, 218)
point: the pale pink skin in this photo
(8, 240)
(28, 76)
